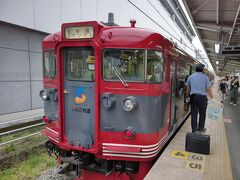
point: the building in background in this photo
(20, 68)
(23, 25)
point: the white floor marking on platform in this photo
(197, 157)
(195, 166)
(228, 120)
(194, 161)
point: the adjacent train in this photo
(113, 96)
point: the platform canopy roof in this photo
(218, 22)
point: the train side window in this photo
(154, 66)
(49, 64)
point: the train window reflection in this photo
(79, 63)
(49, 64)
(154, 66)
(128, 62)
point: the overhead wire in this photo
(162, 16)
(159, 24)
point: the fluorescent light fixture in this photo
(217, 46)
(217, 62)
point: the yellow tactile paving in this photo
(195, 166)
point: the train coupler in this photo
(73, 165)
(63, 168)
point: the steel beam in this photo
(212, 41)
(170, 3)
(200, 6)
(217, 11)
(234, 24)
(210, 49)
(213, 27)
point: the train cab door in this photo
(173, 108)
(79, 83)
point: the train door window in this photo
(181, 76)
(79, 63)
(49, 64)
(123, 64)
(166, 68)
(193, 69)
(173, 75)
(181, 79)
(154, 66)
(188, 71)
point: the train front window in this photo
(49, 64)
(79, 63)
(154, 66)
(125, 63)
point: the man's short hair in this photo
(200, 67)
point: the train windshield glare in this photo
(129, 65)
(79, 63)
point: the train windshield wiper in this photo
(123, 81)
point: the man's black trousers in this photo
(198, 105)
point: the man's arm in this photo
(209, 90)
(188, 87)
(187, 91)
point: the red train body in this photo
(113, 96)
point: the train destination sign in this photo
(78, 32)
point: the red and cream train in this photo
(113, 96)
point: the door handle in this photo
(66, 91)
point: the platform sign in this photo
(180, 154)
(195, 166)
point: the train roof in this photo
(53, 37)
(120, 36)
(116, 35)
(130, 36)
(50, 41)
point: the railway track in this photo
(18, 129)
(20, 141)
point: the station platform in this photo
(13, 119)
(177, 164)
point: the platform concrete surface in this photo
(177, 164)
(232, 124)
(20, 117)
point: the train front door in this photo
(79, 96)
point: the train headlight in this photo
(43, 94)
(129, 103)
